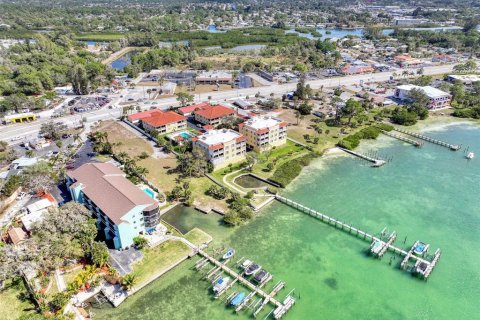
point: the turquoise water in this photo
(428, 194)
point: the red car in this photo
(70, 167)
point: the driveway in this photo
(122, 260)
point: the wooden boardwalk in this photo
(402, 138)
(376, 162)
(386, 245)
(453, 147)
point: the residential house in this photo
(263, 133)
(122, 210)
(221, 147)
(213, 114)
(16, 235)
(438, 98)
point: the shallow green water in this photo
(429, 194)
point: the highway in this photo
(29, 130)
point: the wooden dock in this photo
(386, 245)
(453, 147)
(376, 162)
(256, 290)
(402, 138)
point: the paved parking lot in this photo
(122, 260)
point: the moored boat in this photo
(230, 253)
(470, 155)
(261, 276)
(252, 269)
(237, 299)
(376, 247)
(420, 248)
(221, 284)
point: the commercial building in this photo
(122, 210)
(408, 21)
(214, 77)
(161, 121)
(407, 61)
(213, 115)
(464, 78)
(263, 133)
(438, 98)
(221, 147)
(19, 118)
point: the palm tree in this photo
(129, 280)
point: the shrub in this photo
(290, 170)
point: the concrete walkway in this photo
(60, 281)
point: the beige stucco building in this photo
(221, 147)
(263, 133)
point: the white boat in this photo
(221, 284)
(470, 155)
(230, 253)
(253, 268)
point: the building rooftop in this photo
(189, 109)
(262, 122)
(431, 92)
(142, 115)
(17, 235)
(215, 137)
(108, 188)
(163, 118)
(213, 112)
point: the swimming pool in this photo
(149, 192)
(185, 135)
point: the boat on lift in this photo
(221, 284)
(252, 269)
(237, 299)
(470, 155)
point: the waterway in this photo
(428, 194)
(123, 61)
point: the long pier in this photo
(255, 290)
(453, 147)
(402, 138)
(376, 162)
(385, 245)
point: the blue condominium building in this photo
(122, 210)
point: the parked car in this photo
(21, 195)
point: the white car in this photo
(21, 195)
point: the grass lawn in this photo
(68, 277)
(159, 259)
(199, 186)
(130, 143)
(159, 171)
(198, 236)
(12, 305)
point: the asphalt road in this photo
(31, 129)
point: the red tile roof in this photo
(214, 112)
(208, 127)
(142, 115)
(283, 124)
(262, 131)
(190, 109)
(240, 139)
(163, 118)
(215, 146)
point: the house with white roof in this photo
(438, 98)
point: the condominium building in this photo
(437, 98)
(122, 210)
(221, 147)
(161, 121)
(263, 133)
(213, 115)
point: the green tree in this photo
(184, 98)
(351, 109)
(79, 78)
(99, 253)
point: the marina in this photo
(379, 246)
(221, 284)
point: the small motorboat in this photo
(246, 264)
(470, 155)
(376, 247)
(261, 276)
(220, 284)
(237, 299)
(420, 248)
(252, 269)
(230, 253)
(421, 268)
